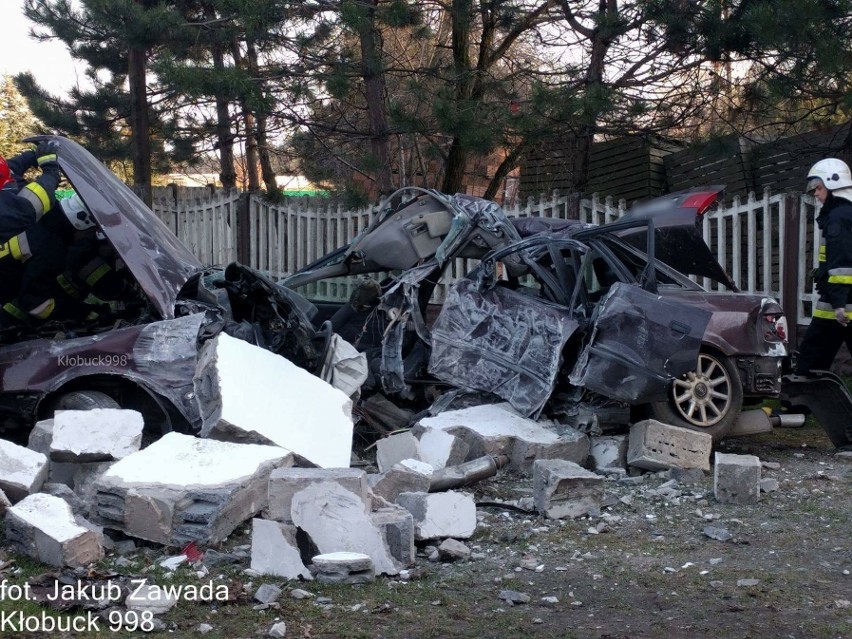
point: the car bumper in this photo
(760, 375)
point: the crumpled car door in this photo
(500, 341)
(638, 343)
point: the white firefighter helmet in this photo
(833, 173)
(77, 213)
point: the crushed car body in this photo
(560, 317)
(144, 354)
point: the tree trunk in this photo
(224, 135)
(140, 129)
(372, 70)
(457, 156)
(266, 171)
(248, 123)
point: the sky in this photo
(49, 62)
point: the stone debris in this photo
(514, 597)
(286, 482)
(497, 429)
(657, 446)
(267, 593)
(4, 503)
(78, 506)
(453, 550)
(151, 598)
(609, 454)
(344, 567)
(401, 478)
(564, 489)
(769, 485)
(274, 550)
(44, 527)
(250, 395)
(100, 434)
(736, 478)
(396, 526)
(719, 534)
(278, 630)
(181, 489)
(395, 448)
(440, 449)
(336, 519)
(441, 515)
(22, 471)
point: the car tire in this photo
(708, 399)
(83, 400)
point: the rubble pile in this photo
(85, 486)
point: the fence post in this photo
(244, 229)
(791, 255)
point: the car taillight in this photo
(700, 202)
(777, 327)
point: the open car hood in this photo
(160, 263)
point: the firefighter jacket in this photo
(834, 275)
(20, 209)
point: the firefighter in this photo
(23, 204)
(33, 261)
(830, 181)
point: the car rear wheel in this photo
(708, 399)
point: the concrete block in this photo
(399, 479)
(337, 520)
(392, 450)
(564, 489)
(62, 473)
(100, 434)
(441, 515)
(22, 471)
(609, 454)
(78, 507)
(181, 489)
(440, 449)
(40, 437)
(274, 550)
(657, 446)
(43, 527)
(498, 429)
(396, 526)
(344, 567)
(250, 395)
(736, 478)
(286, 482)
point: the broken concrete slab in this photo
(78, 507)
(274, 550)
(396, 526)
(441, 515)
(43, 527)
(181, 489)
(440, 449)
(392, 450)
(336, 520)
(99, 434)
(22, 471)
(250, 395)
(736, 478)
(344, 567)
(609, 454)
(498, 429)
(563, 489)
(40, 437)
(399, 479)
(286, 482)
(657, 446)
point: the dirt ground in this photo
(657, 564)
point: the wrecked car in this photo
(586, 323)
(144, 354)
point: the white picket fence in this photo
(750, 236)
